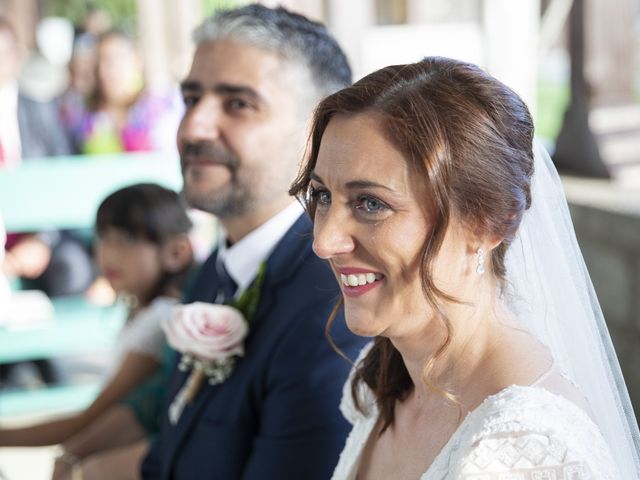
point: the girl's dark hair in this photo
(147, 211)
(470, 138)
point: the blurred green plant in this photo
(210, 6)
(122, 12)
(553, 99)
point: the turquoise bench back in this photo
(64, 192)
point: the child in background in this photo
(143, 250)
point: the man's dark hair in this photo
(290, 35)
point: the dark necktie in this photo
(226, 285)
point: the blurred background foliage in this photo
(123, 12)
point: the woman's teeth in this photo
(355, 280)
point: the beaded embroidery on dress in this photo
(520, 433)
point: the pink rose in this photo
(206, 331)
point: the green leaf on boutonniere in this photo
(216, 371)
(249, 299)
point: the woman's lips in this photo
(358, 281)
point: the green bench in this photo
(64, 193)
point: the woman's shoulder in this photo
(533, 432)
(366, 398)
(528, 407)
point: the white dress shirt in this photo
(242, 260)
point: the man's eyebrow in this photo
(230, 89)
(191, 85)
(221, 88)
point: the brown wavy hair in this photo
(470, 138)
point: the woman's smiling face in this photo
(371, 223)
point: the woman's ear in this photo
(177, 253)
(484, 242)
(492, 242)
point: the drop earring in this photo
(480, 261)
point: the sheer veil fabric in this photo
(550, 291)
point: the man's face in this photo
(244, 129)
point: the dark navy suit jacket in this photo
(277, 416)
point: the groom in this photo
(256, 76)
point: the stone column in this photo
(348, 20)
(430, 11)
(511, 44)
(165, 29)
(152, 41)
(576, 147)
(422, 11)
(609, 46)
(313, 9)
(24, 16)
(184, 16)
(609, 68)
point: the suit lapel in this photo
(288, 256)
(203, 290)
(188, 418)
(205, 287)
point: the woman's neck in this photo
(474, 335)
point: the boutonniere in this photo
(210, 338)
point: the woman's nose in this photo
(332, 235)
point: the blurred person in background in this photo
(82, 81)
(28, 128)
(57, 263)
(122, 115)
(82, 65)
(144, 251)
(97, 21)
(53, 261)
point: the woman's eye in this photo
(324, 197)
(370, 204)
(321, 196)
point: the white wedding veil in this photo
(549, 289)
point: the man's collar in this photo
(243, 259)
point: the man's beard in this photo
(232, 200)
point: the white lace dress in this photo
(520, 433)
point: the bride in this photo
(451, 240)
